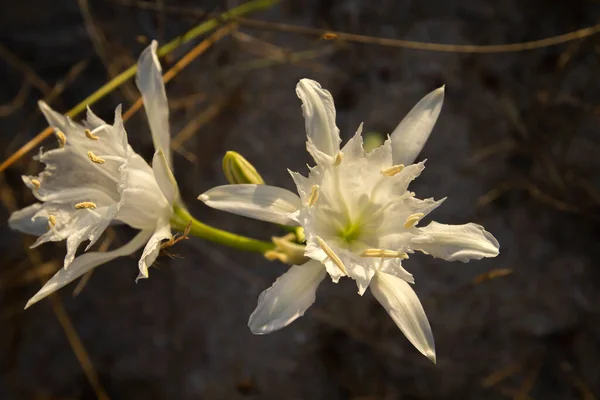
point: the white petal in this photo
(149, 81)
(318, 109)
(26, 221)
(403, 305)
(56, 119)
(410, 135)
(391, 187)
(84, 263)
(162, 232)
(353, 149)
(164, 177)
(457, 242)
(142, 201)
(263, 202)
(288, 298)
(394, 267)
(317, 254)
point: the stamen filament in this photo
(393, 170)
(94, 158)
(331, 254)
(413, 219)
(85, 204)
(314, 195)
(380, 253)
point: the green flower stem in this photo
(182, 218)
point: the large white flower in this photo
(95, 179)
(359, 218)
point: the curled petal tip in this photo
(431, 355)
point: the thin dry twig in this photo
(523, 392)
(63, 318)
(16, 103)
(407, 44)
(577, 382)
(100, 42)
(110, 236)
(503, 373)
(14, 61)
(490, 275)
(195, 124)
(184, 62)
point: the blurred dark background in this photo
(516, 149)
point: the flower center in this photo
(351, 232)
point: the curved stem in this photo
(182, 218)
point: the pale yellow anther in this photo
(273, 255)
(412, 220)
(35, 183)
(380, 253)
(62, 139)
(51, 221)
(331, 254)
(338, 159)
(90, 135)
(393, 170)
(85, 204)
(94, 158)
(314, 195)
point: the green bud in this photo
(238, 170)
(287, 251)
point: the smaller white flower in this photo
(359, 219)
(95, 179)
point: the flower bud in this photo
(287, 251)
(238, 170)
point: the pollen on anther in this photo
(393, 170)
(331, 255)
(62, 139)
(314, 195)
(94, 158)
(338, 159)
(85, 204)
(413, 219)
(90, 135)
(35, 183)
(380, 253)
(51, 221)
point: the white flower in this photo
(95, 179)
(358, 217)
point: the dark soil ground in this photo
(516, 149)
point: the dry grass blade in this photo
(207, 26)
(493, 274)
(184, 62)
(195, 124)
(110, 236)
(407, 44)
(16, 103)
(59, 310)
(501, 374)
(523, 392)
(29, 73)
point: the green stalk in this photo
(198, 30)
(183, 217)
